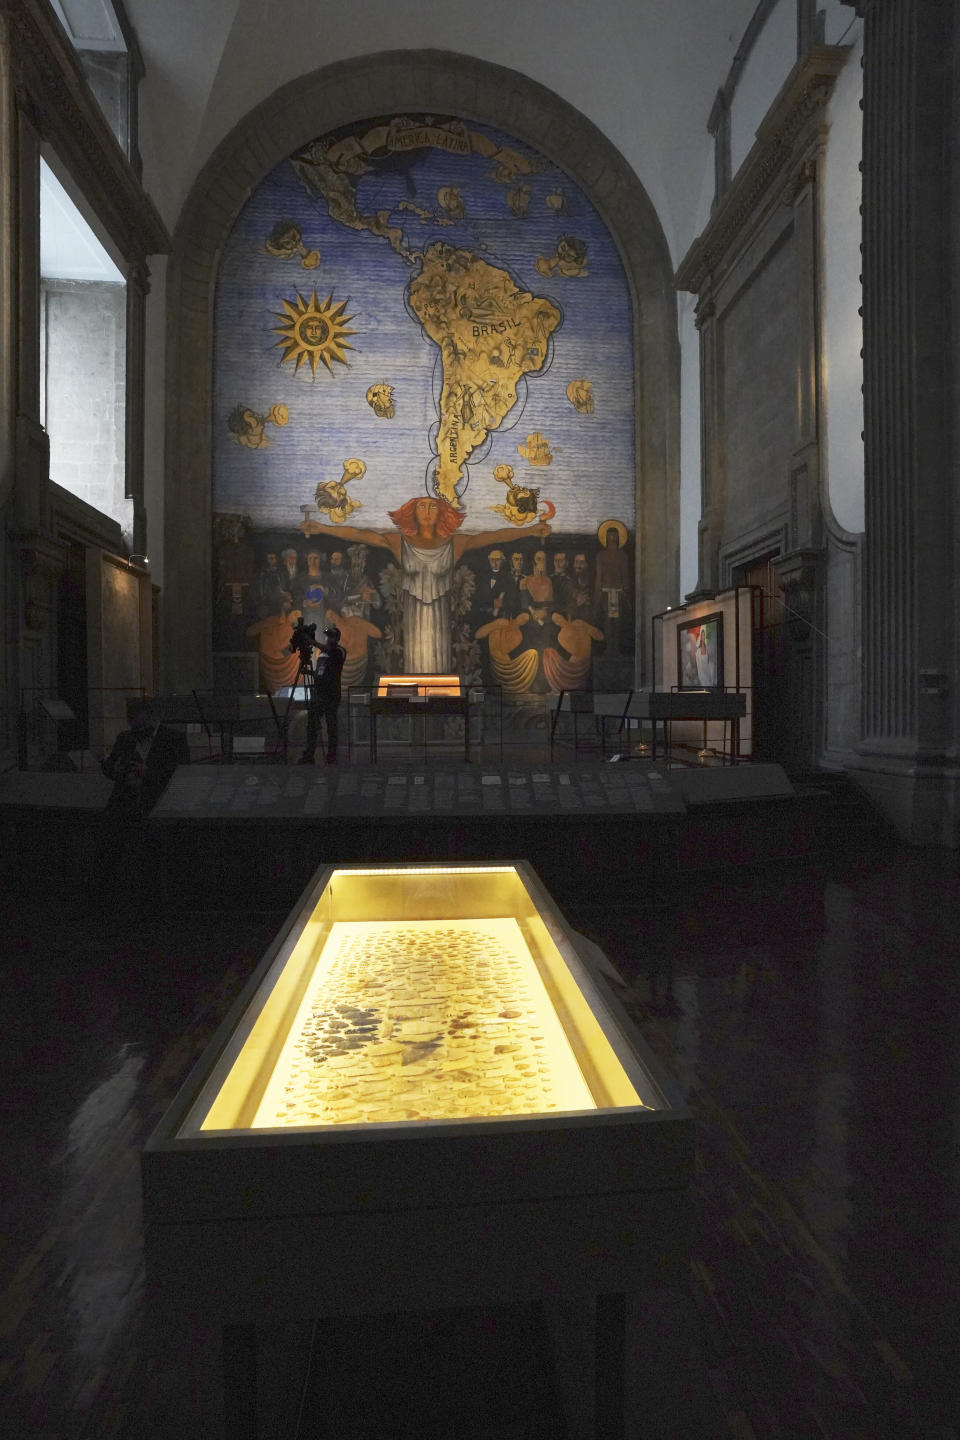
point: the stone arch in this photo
(342, 94)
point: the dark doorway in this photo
(72, 648)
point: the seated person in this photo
(142, 760)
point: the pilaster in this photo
(712, 470)
(907, 757)
(756, 272)
(8, 408)
(800, 576)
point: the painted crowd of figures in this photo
(525, 611)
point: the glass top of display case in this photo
(412, 687)
(416, 994)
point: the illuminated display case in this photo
(422, 695)
(419, 994)
(422, 687)
(425, 1096)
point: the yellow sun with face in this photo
(313, 330)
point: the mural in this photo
(463, 290)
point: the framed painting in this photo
(700, 653)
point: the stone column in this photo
(907, 757)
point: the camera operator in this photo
(325, 697)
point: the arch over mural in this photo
(335, 106)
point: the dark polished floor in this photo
(810, 1012)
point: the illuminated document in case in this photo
(415, 995)
(405, 687)
(418, 1020)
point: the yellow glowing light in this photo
(419, 1020)
(419, 685)
(429, 870)
(413, 995)
(314, 330)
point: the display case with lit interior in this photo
(423, 695)
(419, 687)
(425, 1096)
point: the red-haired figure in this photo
(427, 546)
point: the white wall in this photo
(841, 26)
(84, 391)
(773, 56)
(842, 294)
(645, 74)
(154, 417)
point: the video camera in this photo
(303, 640)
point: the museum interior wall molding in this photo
(313, 105)
(755, 270)
(46, 109)
(907, 757)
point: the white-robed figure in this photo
(427, 582)
(427, 547)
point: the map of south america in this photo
(490, 334)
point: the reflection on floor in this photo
(812, 1016)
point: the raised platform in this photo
(618, 828)
(252, 830)
(391, 792)
(251, 834)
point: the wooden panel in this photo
(249, 1176)
(301, 1267)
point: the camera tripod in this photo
(307, 675)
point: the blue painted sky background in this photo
(592, 474)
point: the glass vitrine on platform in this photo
(425, 1096)
(415, 701)
(419, 698)
(419, 687)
